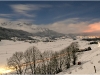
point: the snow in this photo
(89, 59)
(23, 26)
(7, 48)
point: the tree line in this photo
(32, 61)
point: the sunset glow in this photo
(93, 27)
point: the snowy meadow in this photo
(88, 58)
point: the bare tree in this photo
(54, 63)
(30, 56)
(15, 62)
(74, 47)
(68, 57)
(43, 64)
(60, 60)
(47, 55)
(38, 69)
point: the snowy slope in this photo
(89, 59)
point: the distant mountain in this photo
(49, 33)
(23, 26)
(23, 30)
(8, 33)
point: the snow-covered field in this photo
(89, 59)
(7, 48)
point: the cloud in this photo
(18, 20)
(93, 27)
(71, 14)
(24, 9)
(5, 15)
(8, 15)
(24, 20)
(72, 25)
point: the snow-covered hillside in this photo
(89, 59)
(23, 26)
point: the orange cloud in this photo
(93, 27)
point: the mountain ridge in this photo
(23, 26)
(7, 33)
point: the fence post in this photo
(95, 69)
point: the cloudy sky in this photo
(62, 16)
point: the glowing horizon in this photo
(93, 27)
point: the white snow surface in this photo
(7, 48)
(89, 59)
